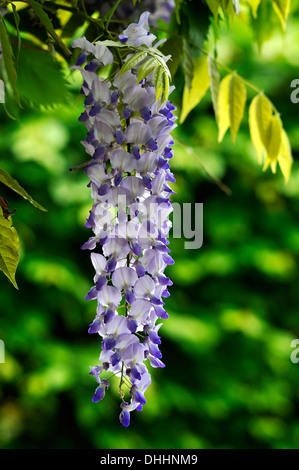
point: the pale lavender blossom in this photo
(128, 138)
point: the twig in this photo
(215, 180)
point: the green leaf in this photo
(74, 22)
(12, 183)
(9, 60)
(264, 113)
(274, 138)
(159, 81)
(254, 127)
(237, 100)
(231, 105)
(223, 107)
(282, 9)
(199, 86)
(132, 61)
(214, 7)
(177, 10)
(264, 24)
(224, 5)
(40, 79)
(110, 43)
(214, 83)
(45, 20)
(165, 88)
(146, 68)
(285, 158)
(173, 47)
(17, 23)
(187, 64)
(254, 4)
(9, 248)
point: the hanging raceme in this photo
(130, 144)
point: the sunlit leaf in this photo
(110, 43)
(214, 7)
(173, 47)
(165, 88)
(264, 112)
(224, 4)
(214, 83)
(237, 100)
(132, 62)
(223, 107)
(199, 86)
(9, 59)
(282, 9)
(254, 128)
(274, 138)
(12, 183)
(17, 24)
(9, 248)
(187, 64)
(158, 81)
(46, 21)
(146, 68)
(254, 4)
(285, 158)
(40, 79)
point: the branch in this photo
(215, 180)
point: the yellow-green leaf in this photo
(188, 64)
(285, 158)
(274, 138)
(282, 9)
(264, 112)
(254, 128)
(12, 183)
(254, 4)
(214, 83)
(158, 80)
(237, 100)
(146, 68)
(165, 88)
(9, 59)
(223, 107)
(46, 21)
(214, 7)
(9, 248)
(199, 86)
(132, 61)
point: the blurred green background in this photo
(234, 306)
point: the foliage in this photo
(32, 69)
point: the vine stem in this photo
(215, 180)
(110, 14)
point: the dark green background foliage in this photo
(234, 306)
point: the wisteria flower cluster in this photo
(130, 146)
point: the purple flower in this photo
(138, 33)
(128, 137)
